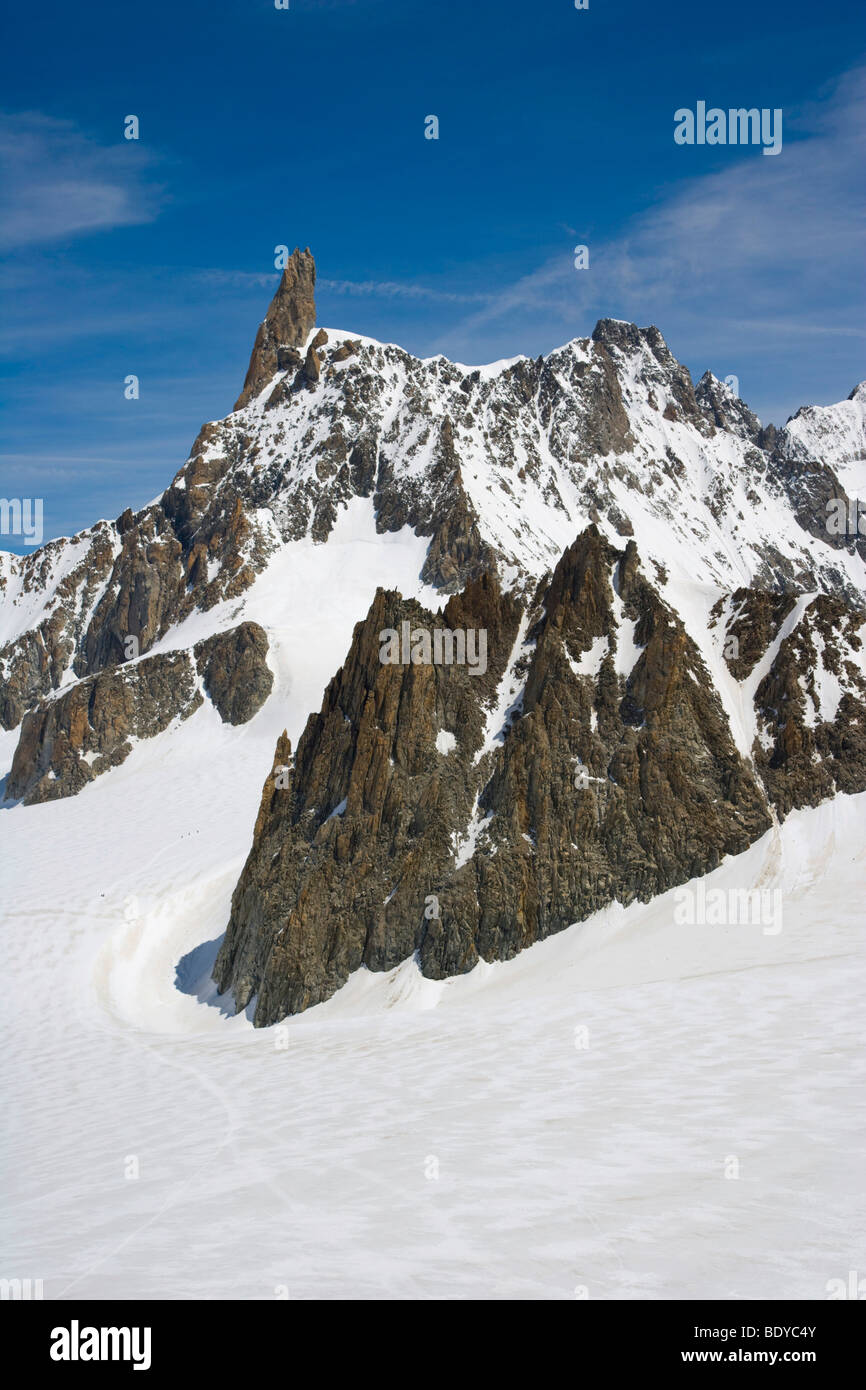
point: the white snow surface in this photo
(298, 1155)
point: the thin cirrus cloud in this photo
(379, 289)
(775, 244)
(59, 183)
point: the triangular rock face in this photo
(288, 323)
(464, 816)
(351, 840)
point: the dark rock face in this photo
(627, 338)
(234, 670)
(287, 324)
(755, 621)
(611, 784)
(387, 839)
(138, 578)
(810, 485)
(811, 709)
(801, 658)
(70, 740)
(364, 820)
(34, 663)
(724, 409)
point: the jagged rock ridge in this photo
(500, 467)
(615, 776)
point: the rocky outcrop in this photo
(72, 738)
(288, 323)
(811, 708)
(754, 620)
(234, 669)
(466, 816)
(362, 821)
(725, 409)
(35, 662)
(619, 779)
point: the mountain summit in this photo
(290, 319)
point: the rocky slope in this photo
(413, 820)
(69, 740)
(673, 639)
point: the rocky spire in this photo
(287, 324)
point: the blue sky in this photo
(305, 126)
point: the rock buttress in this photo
(412, 820)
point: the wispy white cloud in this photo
(238, 279)
(390, 289)
(379, 289)
(772, 244)
(59, 183)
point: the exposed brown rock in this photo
(288, 323)
(68, 741)
(357, 861)
(756, 618)
(312, 366)
(345, 351)
(234, 669)
(802, 755)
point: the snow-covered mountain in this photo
(665, 604)
(214, 782)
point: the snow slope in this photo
(579, 1103)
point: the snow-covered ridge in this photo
(702, 501)
(837, 435)
(524, 453)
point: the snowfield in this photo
(558, 1124)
